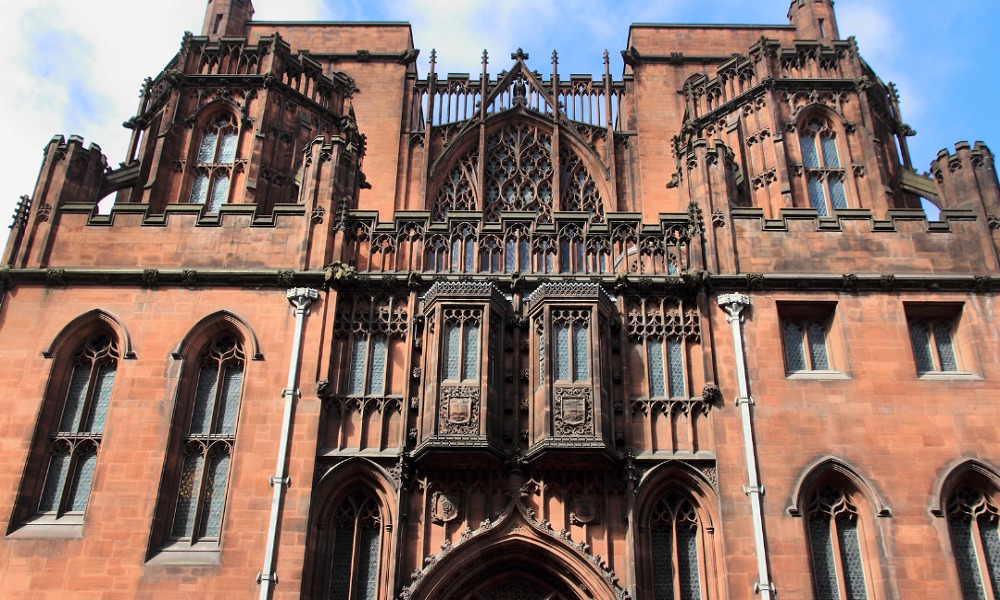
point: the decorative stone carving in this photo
(459, 410)
(444, 508)
(574, 411)
(584, 509)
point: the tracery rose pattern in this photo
(579, 192)
(519, 172)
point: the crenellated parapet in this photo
(967, 178)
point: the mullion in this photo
(199, 504)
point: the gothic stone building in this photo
(351, 332)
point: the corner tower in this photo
(813, 19)
(227, 17)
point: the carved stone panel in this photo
(574, 411)
(585, 509)
(444, 508)
(459, 410)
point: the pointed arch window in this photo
(461, 344)
(835, 545)
(571, 351)
(677, 548)
(973, 519)
(356, 532)
(75, 440)
(825, 176)
(207, 446)
(215, 162)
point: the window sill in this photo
(948, 376)
(817, 375)
(50, 527)
(205, 554)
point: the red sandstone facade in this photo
(353, 332)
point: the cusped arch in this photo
(675, 473)
(827, 466)
(210, 111)
(73, 333)
(955, 473)
(514, 544)
(817, 110)
(218, 322)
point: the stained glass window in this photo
(973, 514)
(208, 442)
(838, 565)
(76, 439)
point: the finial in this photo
(486, 56)
(555, 57)
(519, 55)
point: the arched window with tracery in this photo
(822, 167)
(835, 544)
(74, 441)
(676, 548)
(355, 537)
(216, 158)
(206, 448)
(973, 517)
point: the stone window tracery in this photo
(76, 439)
(825, 176)
(214, 164)
(207, 445)
(354, 556)
(460, 344)
(674, 531)
(661, 327)
(571, 345)
(517, 250)
(973, 524)
(579, 191)
(835, 545)
(368, 327)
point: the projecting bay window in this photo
(825, 177)
(213, 167)
(460, 345)
(571, 345)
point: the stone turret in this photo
(967, 178)
(814, 19)
(227, 18)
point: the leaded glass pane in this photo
(990, 537)
(215, 495)
(818, 358)
(921, 348)
(206, 152)
(340, 562)
(86, 462)
(75, 398)
(562, 351)
(687, 561)
(376, 385)
(510, 256)
(524, 256)
(356, 373)
(55, 480)
(452, 342)
(199, 188)
(675, 368)
(204, 400)
(187, 496)
(227, 148)
(824, 564)
(564, 256)
(663, 569)
(470, 351)
(945, 351)
(229, 400)
(470, 256)
(220, 191)
(850, 557)
(965, 557)
(795, 359)
(810, 158)
(456, 256)
(581, 353)
(817, 196)
(102, 397)
(367, 563)
(838, 197)
(830, 158)
(654, 354)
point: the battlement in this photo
(967, 178)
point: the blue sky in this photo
(75, 67)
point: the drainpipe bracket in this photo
(293, 393)
(741, 400)
(272, 577)
(285, 481)
(753, 489)
(758, 588)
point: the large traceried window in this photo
(76, 438)
(356, 532)
(460, 345)
(208, 443)
(973, 519)
(825, 176)
(213, 167)
(674, 531)
(571, 345)
(835, 545)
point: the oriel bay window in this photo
(460, 347)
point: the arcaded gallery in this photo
(676, 330)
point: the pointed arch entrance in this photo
(516, 558)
